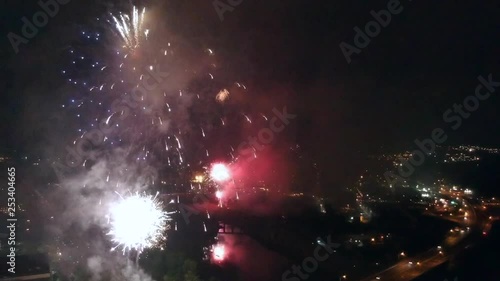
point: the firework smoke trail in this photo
(111, 80)
(170, 127)
(157, 128)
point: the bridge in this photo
(229, 229)
(278, 235)
(495, 204)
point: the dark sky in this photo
(395, 90)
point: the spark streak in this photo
(131, 30)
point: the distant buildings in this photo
(467, 153)
(448, 154)
(4, 159)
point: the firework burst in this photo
(220, 172)
(112, 85)
(131, 28)
(218, 252)
(137, 222)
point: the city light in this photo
(198, 179)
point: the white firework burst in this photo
(131, 28)
(138, 222)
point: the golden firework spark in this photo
(222, 96)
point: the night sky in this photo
(394, 91)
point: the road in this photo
(410, 268)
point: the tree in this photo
(191, 276)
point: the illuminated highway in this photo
(410, 268)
